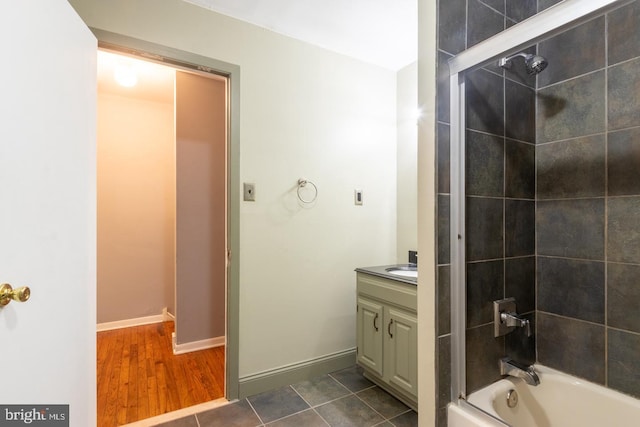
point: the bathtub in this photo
(559, 401)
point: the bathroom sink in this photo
(403, 271)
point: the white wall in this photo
(136, 207)
(427, 12)
(305, 112)
(407, 180)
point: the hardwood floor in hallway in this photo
(140, 377)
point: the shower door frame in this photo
(545, 24)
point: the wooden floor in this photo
(140, 377)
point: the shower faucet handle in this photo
(506, 319)
(514, 320)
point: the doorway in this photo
(229, 236)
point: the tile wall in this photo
(500, 181)
(588, 201)
(553, 197)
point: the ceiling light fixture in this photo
(125, 75)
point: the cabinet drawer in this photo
(402, 294)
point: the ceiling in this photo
(381, 32)
(154, 81)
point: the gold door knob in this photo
(7, 293)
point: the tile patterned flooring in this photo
(342, 398)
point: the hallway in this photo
(140, 377)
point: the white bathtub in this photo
(559, 401)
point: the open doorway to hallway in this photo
(162, 221)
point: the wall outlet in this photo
(249, 192)
(357, 197)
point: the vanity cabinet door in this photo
(370, 325)
(401, 346)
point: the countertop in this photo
(381, 271)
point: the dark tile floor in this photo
(342, 398)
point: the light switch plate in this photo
(357, 197)
(249, 192)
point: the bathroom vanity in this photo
(387, 324)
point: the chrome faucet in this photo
(513, 319)
(506, 319)
(515, 369)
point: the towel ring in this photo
(303, 183)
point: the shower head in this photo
(534, 64)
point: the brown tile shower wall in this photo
(588, 201)
(500, 191)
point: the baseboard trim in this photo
(295, 372)
(138, 321)
(166, 316)
(127, 323)
(180, 413)
(197, 345)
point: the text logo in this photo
(34, 415)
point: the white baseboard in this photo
(166, 316)
(138, 321)
(127, 323)
(196, 345)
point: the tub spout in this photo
(515, 369)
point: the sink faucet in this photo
(515, 369)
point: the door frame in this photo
(189, 61)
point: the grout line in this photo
(343, 386)
(482, 132)
(301, 397)
(389, 420)
(603, 197)
(569, 258)
(371, 407)
(509, 139)
(332, 400)
(575, 138)
(627, 128)
(623, 263)
(635, 58)
(321, 417)
(636, 333)
(579, 76)
(254, 411)
(291, 415)
(470, 196)
(562, 316)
